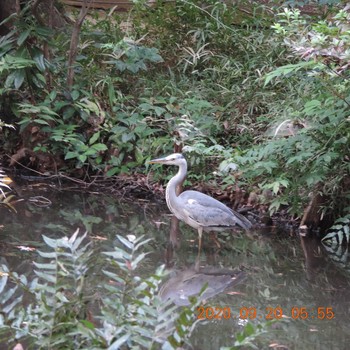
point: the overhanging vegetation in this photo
(248, 87)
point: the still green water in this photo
(289, 279)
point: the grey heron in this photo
(197, 209)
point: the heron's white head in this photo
(172, 159)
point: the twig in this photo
(73, 49)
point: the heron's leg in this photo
(200, 231)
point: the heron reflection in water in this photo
(191, 281)
(196, 209)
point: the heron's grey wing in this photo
(209, 212)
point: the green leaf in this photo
(75, 95)
(287, 69)
(159, 110)
(15, 62)
(312, 107)
(70, 155)
(82, 158)
(136, 261)
(53, 95)
(19, 76)
(128, 137)
(88, 324)
(41, 122)
(49, 255)
(116, 345)
(10, 80)
(313, 178)
(99, 147)
(3, 280)
(38, 58)
(90, 152)
(46, 277)
(249, 329)
(111, 94)
(45, 266)
(112, 171)
(38, 80)
(50, 242)
(94, 137)
(127, 243)
(61, 297)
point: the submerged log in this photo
(312, 214)
(314, 218)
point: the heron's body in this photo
(202, 211)
(195, 208)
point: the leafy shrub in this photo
(60, 304)
(311, 157)
(214, 77)
(71, 125)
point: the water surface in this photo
(288, 279)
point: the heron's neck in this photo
(171, 193)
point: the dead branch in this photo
(73, 49)
(18, 7)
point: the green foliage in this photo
(191, 110)
(311, 157)
(128, 55)
(23, 65)
(247, 337)
(148, 322)
(39, 114)
(223, 80)
(58, 291)
(73, 125)
(58, 313)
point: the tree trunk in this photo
(7, 8)
(45, 12)
(73, 49)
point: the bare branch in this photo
(73, 49)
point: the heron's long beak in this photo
(157, 161)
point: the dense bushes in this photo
(223, 80)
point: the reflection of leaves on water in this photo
(76, 217)
(336, 242)
(40, 201)
(267, 294)
(8, 202)
(58, 228)
(26, 248)
(339, 233)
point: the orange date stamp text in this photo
(271, 313)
